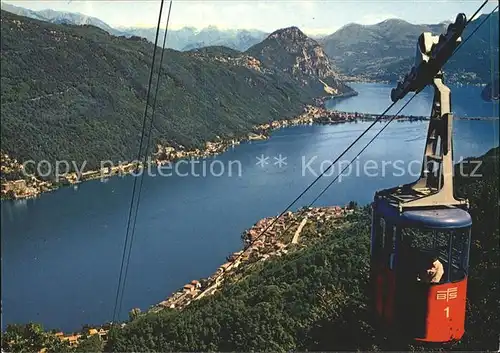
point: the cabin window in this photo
(450, 246)
(382, 232)
(390, 238)
(459, 254)
(383, 239)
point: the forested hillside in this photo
(386, 50)
(78, 93)
(316, 298)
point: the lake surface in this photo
(61, 252)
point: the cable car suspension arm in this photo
(435, 184)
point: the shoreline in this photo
(316, 113)
(273, 243)
(31, 187)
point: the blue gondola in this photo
(420, 232)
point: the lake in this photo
(61, 252)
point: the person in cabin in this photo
(434, 270)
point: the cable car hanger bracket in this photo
(435, 184)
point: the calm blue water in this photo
(62, 251)
(375, 98)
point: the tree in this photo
(90, 344)
(31, 338)
(352, 205)
(134, 314)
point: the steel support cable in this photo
(474, 31)
(350, 163)
(126, 243)
(316, 180)
(362, 150)
(357, 139)
(477, 11)
(400, 110)
(145, 159)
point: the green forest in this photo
(315, 298)
(77, 93)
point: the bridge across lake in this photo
(364, 116)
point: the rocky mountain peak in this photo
(290, 33)
(290, 50)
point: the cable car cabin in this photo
(404, 247)
(420, 231)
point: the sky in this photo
(312, 16)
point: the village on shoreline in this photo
(262, 241)
(15, 185)
(259, 244)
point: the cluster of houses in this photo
(259, 246)
(165, 154)
(17, 189)
(169, 154)
(311, 115)
(30, 186)
(324, 116)
(74, 339)
(275, 237)
(14, 183)
(120, 169)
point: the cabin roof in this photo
(440, 217)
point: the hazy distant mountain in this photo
(21, 11)
(184, 39)
(366, 50)
(386, 50)
(60, 17)
(189, 38)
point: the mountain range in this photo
(386, 51)
(380, 52)
(79, 93)
(365, 50)
(60, 17)
(189, 38)
(186, 38)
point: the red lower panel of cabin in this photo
(425, 312)
(445, 317)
